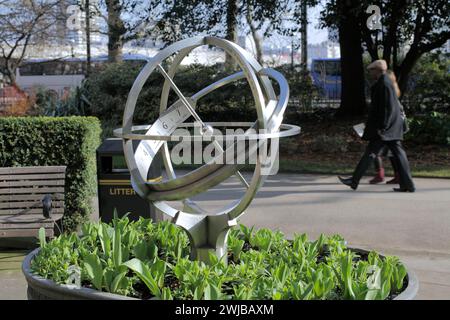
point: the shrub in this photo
(433, 128)
(429, 85)
(73, 103)
(107, 92)
(302, 90)
(20, 108)
(47, 141)
(14, 102)
(145, 260)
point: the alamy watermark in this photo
(374, 21)
(233, 147)
(76, 14)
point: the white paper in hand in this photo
(359, 129)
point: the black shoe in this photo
(404, 190)
(349, 182)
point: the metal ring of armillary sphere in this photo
(207, 231)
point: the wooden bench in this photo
(27, 196)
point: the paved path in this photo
(416, 227)
(12, 282)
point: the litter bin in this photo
(114, 186)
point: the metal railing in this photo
(311, 104)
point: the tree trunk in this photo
(88, 38)
(371, 46)
(232, 11)
(11, 73)
(304, 21)
(258, 47)
(395, 55)
(292, 55)
(387, 51)
(390, 38)
(256, 38)
(116, 30)
(406, 67)
(353, 100)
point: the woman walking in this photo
(379, 176)
(384, 127)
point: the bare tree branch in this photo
(21, 24)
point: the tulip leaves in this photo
(146, 260)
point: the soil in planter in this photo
(142, 291)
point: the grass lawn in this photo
(302, 166)
(299, 166)
(330, 146)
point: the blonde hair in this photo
(393, 78)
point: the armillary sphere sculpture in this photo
(207, 231)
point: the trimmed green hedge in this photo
(47, 141)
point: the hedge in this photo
(47, 141)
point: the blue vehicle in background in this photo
(326, 74)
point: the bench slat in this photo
(24, 170)
(16, 233)
(11, 184)
(21, 192)
(25, 212)
(48, 176)
(14, 184)
(31, 218)
(32, 190)
(26, 225)
(29, 204)
(25, 197)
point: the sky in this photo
(315, 35)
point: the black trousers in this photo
(378, 162)
(401, 160)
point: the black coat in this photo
(384, 113)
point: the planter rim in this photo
(74, 292)
(413, 282)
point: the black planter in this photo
(44, 289)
